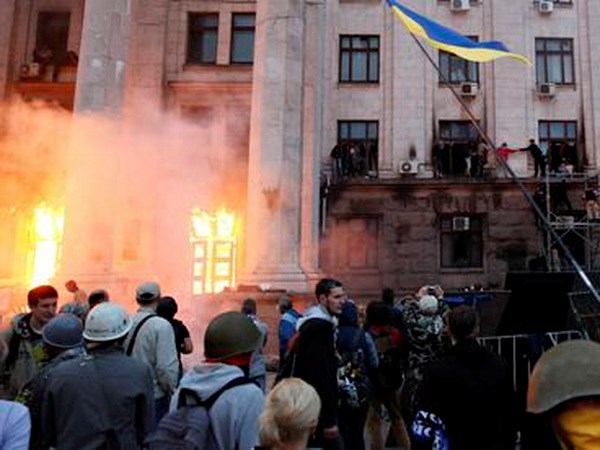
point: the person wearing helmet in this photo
(103, 399)
(63, 340)
(23, 353)
(229, 342)
(565, 385)
(151, 340)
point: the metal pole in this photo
(519, 184)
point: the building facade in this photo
(352, 154)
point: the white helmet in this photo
(106, 322)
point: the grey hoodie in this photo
(234, 416)
(316, 312)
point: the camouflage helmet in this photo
(566, 372)
(230, 334)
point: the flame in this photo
(46, 238)
(214, 241)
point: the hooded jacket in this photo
(471, 390)
(316, 362)
(234, 416)
(79, 412)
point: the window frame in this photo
(546, 141)
(469, 239)
(200, 32)
(351, 51)
(367, 124)
(466, 67)
(242, 28)
(545, 54)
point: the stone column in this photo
(102, 56)
(274, 216)
(91, 177)
(146, 66)
(7, 17)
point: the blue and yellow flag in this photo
(449, 40)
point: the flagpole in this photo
(512, 174)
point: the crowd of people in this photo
(406, 373)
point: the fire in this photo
(46, 238)
(214, 241)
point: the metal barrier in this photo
(521, 351)
(586, 312)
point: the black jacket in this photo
(316, 363)
(470, 389)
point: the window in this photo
(52, 35)
(554, 61)
(359, 59)
(461, 242)
(242, 38)
(558, 140)
(202, 38)
(456, 69)
(358, 144)
(457, 131)
(456, 138)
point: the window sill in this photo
(198, 67)
(456, 84)
(455, 270)
(359, 84)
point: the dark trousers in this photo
(539, 163)
(161, 408)
(352, 426)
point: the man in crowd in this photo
(229, 342)
(24, 348)
(152, 341)
(315, 361)
(469, 388)
(565, 385)
(100, 400)
(96, 297)
(258, 368)
(79, 295)
(424, 326)
(287, 324)
(63, 340)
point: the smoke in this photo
(127, 184)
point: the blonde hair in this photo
(291, 413)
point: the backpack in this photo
(353, 381)
(390, 372)
(189, 426)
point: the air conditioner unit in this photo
(410, 166)
(545, 6)
(461, 223)
(469, 89)
(31, 70)
(460, 5)
(546, 90)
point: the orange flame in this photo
(214, 241)
(46, 238)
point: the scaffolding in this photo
(578, 228)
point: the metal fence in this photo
(521, 351)
(586, 314)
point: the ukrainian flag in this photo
(449, 40)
